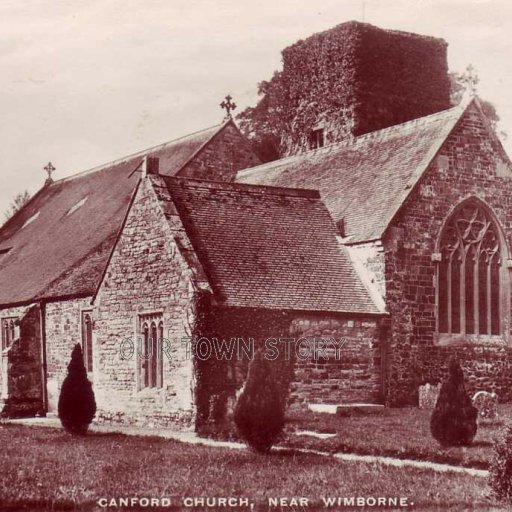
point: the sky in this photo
(85, 83)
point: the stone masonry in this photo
(349, 375)
(226, 153)
(22, 366)
(146, 274)
(63, 331)
(470, 164)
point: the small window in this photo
(316, 138)
(151, 333)
(30, 220)
(87, 339)
(76, 206)
(10, 331)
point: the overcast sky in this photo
(83, 83)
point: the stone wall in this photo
(147, 274)
(470, 164)
(372, 257)
(22, 383)
(63, 331)
(6, 313)
(221, 375)
(349, 374)
(226, 154)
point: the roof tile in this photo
(268, 247)
(363, 180)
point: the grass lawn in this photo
(45, 468)
(402, 433)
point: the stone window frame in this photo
(504, 281)
(154, 379)
(10, 330)
(316, 138)
(87, 344)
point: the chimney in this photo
(150, 165)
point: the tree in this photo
(17, 204)
(77, 406)
(453, 421)
(265, 123)
(259, 411)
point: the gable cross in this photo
(49, 168)
(228, 106)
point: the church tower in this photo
(352, 79)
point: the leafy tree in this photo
(453, 421)
(259, 411)
(264, 123)
(77, 406)
(17, 204)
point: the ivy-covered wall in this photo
(352, 79)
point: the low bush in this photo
(454, 419)
(500, 471)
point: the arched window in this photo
(153, 366)
(151, 360)
(469, 279)
(145, 356)
(12, 329)
(9, 331)
(160, 369)
(87, 339)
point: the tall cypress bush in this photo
(259, 411)
(77, 406)
(454, 419)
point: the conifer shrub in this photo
(454, 419)
(500, 471)
(260, 408)
(77, 406)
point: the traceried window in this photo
(151, 333)
(87, 339)
(469, 279)
(10, 331)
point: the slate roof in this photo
(63, 250)
(364, 181)
(263, 247)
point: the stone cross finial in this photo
(228, 106)
(49, 168)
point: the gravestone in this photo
(486, 403)
(428, 394)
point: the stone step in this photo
(348, 409)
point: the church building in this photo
(383, 225)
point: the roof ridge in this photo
(142, 152)
(245, 187)
(354, 141)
